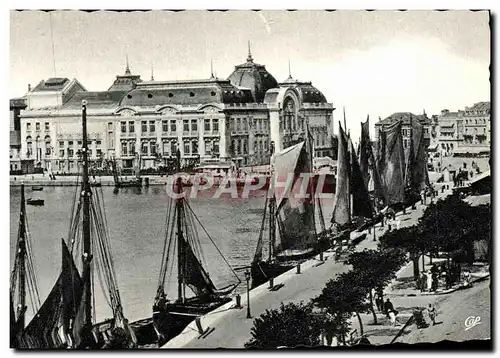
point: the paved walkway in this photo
(231, 329)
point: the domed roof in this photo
(254, 77)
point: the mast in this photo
(22, 266)
(272, 209)
(87, 249)
(180, 239)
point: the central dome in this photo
(254, 77)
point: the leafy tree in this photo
(291, 325)
(375, 269)
(408, 239)
(340, 298)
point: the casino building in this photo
(209, 119)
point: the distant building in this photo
(210, 119)
(466, 131)
(16, 106)
(405, 127)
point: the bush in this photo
(290, 325)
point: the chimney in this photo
(29, 87)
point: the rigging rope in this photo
(198, 220)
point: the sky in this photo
(373, 63)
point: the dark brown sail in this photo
(393, 169)
(361, 204)
(50, 326)
(294, 207)
(195, 276)
(341, 212)
(365, 152)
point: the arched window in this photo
(29, 146)
(48, 149)
(289, 115)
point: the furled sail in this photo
(393, 169)
(418, 160)
(50, 326)
(341, 205)
(361, 204)
(365, 152)
(294, 203)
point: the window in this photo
(152, 128)
(208, 147)
(164, 126)
(207, 125)
(131, 128)
(61, 153)
(98, 152)
(187, 148)
(152, 148)
(195, 147)
(173, 126)
(124, 149)
(110, 126)
(47, 127)
(245, 146)
(61, 143)
(28, 126)
(185, 125)
(238, 124)
(144, 126)
(47, 148)
(71, 152)
(79, 143)
(215, 125)
(123, 127)
(90, 153)
(166, 148)
(194, 125)
(37, 126)
(255, 146)
(173, 148)
(132, 148)
(215, 148)
(144, 148)
(70, 143)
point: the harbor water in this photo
(136, 226)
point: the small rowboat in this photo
(37, 202)
(37, 188)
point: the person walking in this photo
(429, 281)
(390, 312)
(432, 313)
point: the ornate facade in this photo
(218, 119)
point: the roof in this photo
(19, 102)
(404, 116)
(482, 176)
(310, 94)
(52, 84)
(190, 92)
(480, 106)
(15, 138)
(103, 99)
(253, 76)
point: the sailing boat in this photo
(290, 216)
(352, 207)
(66, 319)
(135, 182)
(184, 247)
(23, 279)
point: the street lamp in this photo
(247, 278)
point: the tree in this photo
(340, 298)
(408, 239)
(291, 325)
(375, 269)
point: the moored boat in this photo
(183, 252)
(35, 202)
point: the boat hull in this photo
(171, 321)
(263, 271)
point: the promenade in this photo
(228, 325)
